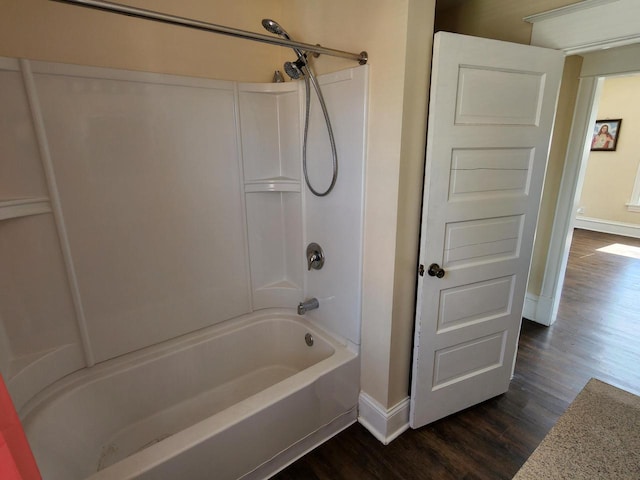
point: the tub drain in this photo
(309, 339)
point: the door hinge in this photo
(421, 270)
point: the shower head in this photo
(293, 70)
(275, 28)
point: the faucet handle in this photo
(315, 256)
(314, 261)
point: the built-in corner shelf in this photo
(274, 184)
(270, 119)
(23, 207)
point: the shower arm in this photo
(361, 57)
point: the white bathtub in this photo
(240, 400)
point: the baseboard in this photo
(607, 226)
(530, 306)
(538, 309)
(384, 424)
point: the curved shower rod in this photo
(361, 57)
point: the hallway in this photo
(597, 334)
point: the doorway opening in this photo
(609, 193)
(597, 67)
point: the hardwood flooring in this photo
(597, 334)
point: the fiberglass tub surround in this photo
(142, 207)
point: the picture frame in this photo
(605, 135)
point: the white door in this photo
(491, 112)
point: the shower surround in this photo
(136, 208)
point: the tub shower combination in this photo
(193, 305)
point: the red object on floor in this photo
(16, 459)
(8, 468)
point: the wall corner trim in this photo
(538, 309)
(384, 424)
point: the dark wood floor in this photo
(597, 334)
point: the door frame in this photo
(599, 62)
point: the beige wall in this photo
(610, 176)
(51, 31)
(416, 97)
(502, 20)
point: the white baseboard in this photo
(608, 226)
(538, 309)
(530, 306)
(384, 424)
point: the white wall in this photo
(335, 221)
(147, 170)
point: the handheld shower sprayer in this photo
(301, 69)
(274, 27)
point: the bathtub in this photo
(238, 400)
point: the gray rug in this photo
(598, 437)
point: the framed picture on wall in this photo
(605, 135)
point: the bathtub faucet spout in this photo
(310, 304)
